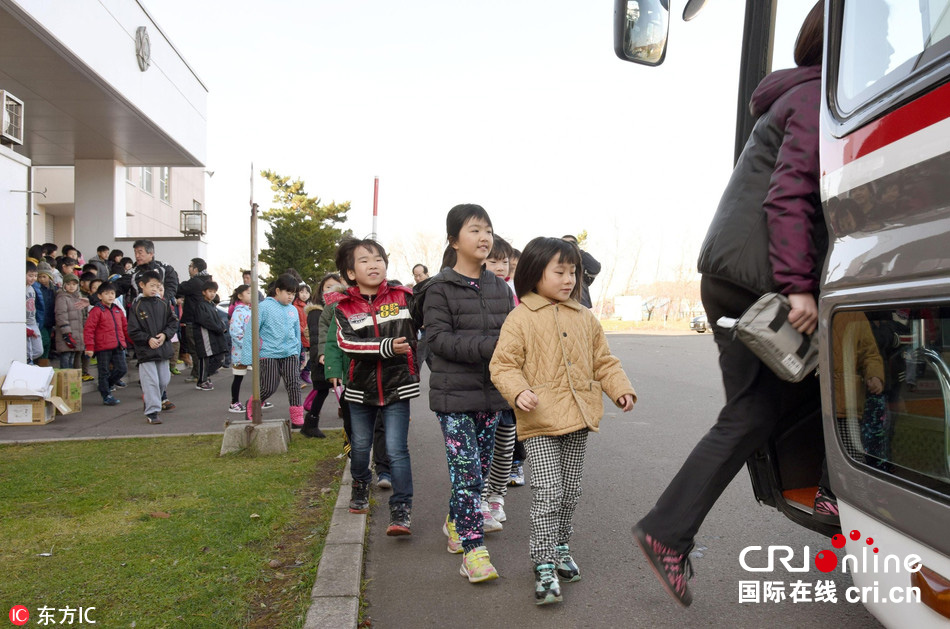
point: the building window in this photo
(196, 206)
(128, 175)
(147, 179)
(164, 185)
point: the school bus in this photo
(884, 303)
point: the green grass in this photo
(90, 504)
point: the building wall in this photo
(14, 175)
(147, 215)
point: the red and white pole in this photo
(375, 204)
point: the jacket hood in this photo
(332, 297)
(779, 82)
(311, 307)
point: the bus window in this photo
(884, 41)
(892, 391)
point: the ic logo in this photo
(19, 615)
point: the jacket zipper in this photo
(379, 363)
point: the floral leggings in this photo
(469, 444)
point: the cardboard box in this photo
(30, 410)
(26, 412)
(67, 385)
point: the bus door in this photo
(885, 299)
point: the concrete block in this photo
(339, 572)
(346, 527)
(333, 612)
(268, 437)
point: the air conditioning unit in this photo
(11, 123)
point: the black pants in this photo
(757, 402)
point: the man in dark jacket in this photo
(190, 290)
(145, 261)
(152, 324)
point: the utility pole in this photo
(255, 316)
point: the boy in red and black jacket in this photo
(376, 331)
(106, 335)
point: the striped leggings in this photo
(273, 369)
(500, 473)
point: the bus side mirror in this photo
(640, 30)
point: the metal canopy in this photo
(70, 112)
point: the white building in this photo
(112, 127)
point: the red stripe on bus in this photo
(918, 114)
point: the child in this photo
(462, 309)
(553, 363)
(375, 329)
(34, 337)
(279, 327)
(321, 386)
(335, 362)
(210, 341)
(495, 485)
(106, 334)
(300, 303)
(240, 320)
(71, 313)
(44, 286)
(152, 324)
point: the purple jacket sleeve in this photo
(793, 198)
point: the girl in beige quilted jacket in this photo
(552, 363)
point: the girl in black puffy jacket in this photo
(462, 309)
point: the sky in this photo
(520, 107)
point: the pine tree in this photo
(303, 233)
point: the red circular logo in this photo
(19, 615)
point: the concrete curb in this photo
(335, 597)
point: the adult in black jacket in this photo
(767, 236)
(191, 288)
(145, 261)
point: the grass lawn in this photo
(161, 532)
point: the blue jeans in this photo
(108, 377)
(396, 420)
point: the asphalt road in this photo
(414, 582)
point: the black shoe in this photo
(311, 427)
(399, 524)
(359, 497)
(567, 569)
(153, 418)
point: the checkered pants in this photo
(557, 465)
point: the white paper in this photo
(19, 413)
(28, 380)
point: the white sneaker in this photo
(489, 523)
(496, 504)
